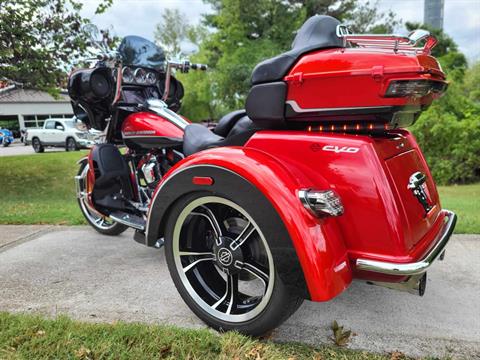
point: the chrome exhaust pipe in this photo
(415, 284)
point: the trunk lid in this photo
(414, 189)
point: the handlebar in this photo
(202, 67)
(184, 66)
(110, 56)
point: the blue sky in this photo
(139, 17)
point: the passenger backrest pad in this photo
(265, 104)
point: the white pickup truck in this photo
(66, 133)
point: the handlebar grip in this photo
(202, 67)
(106, 57)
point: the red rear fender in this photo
(320, 251)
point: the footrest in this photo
(131, 220)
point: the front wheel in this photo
(102, 224)
(222, 266)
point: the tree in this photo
(174, 30)
(449, 131)
(472, 83)
(171, 31)
(38, 38)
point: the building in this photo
(26, 108)
(433, 13)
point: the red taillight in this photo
(414, 88)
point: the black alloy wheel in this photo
(222, 266)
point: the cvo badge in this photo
(416, 183)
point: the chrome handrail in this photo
(389, 41)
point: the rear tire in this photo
(37, 145)
(71, 145)
(220, 292)
(103, 225)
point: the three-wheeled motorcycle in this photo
(315, 183)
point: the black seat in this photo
(318, 32)
(234, 129)
(226, 123)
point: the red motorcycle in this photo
(314, 184)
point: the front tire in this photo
(222, 266)
(101, 224)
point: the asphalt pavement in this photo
(75, 271)
(18, 148)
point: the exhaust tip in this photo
(422, 284)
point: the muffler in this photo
(416, 284)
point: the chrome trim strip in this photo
(299, 109)
(161, 108)
(417, 267)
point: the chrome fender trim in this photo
(418, 267)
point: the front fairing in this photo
(139, 52)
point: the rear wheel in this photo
(71, 145)
(37, 145)
(222, 266)
(102, 224)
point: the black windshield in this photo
(137, 51)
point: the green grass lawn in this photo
(39, 189)
(464, 200)
(34, 337)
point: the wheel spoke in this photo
(231, 294)
(201, 257)
(232, 289)
(254, 270)
(248, 230)
(192, 253)
(213, 222)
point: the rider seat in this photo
(234, 129)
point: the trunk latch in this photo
(416, 183)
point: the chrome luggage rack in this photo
(410, 43)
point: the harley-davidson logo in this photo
(140, 132)
(225, 257)
(417, 184)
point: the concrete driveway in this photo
(98, 278)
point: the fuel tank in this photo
(150, 130)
